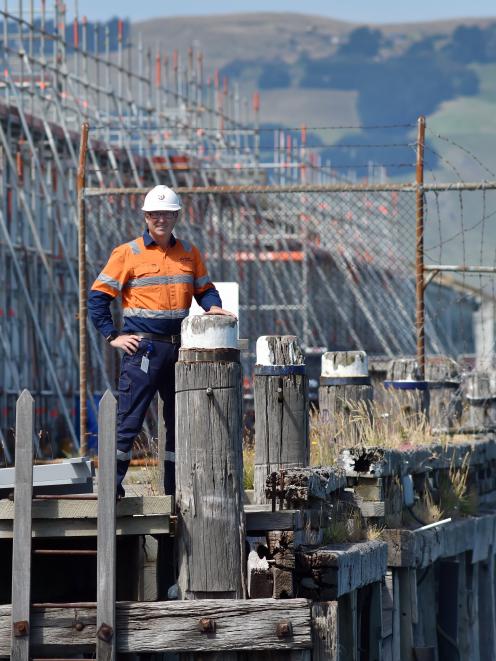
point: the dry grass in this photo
(149, 476)
(248, 457)
(346, 526)
(425, 510)
(455, 498)
(391, 424)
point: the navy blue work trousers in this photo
(136, 391)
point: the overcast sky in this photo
(380, 11)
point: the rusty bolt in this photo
(207, 625)
(105, 633)
(78, 625)
(284, 629)
(21, 628)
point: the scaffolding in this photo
(325, 266)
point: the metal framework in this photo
(314, 256)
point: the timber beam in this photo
(209, 625)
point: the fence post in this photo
(281, 409)
(344, 382)
(443, 379)
(106, 541)
(21, 546)
(209, 460)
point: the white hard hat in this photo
(161, 198)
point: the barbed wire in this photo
(364, 127)
(464, 149)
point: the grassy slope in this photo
(468, 125)
(468, 121)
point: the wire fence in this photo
(336, 268)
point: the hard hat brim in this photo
(166, 207)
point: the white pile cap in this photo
(345, 363)
(209, 331)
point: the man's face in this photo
(161, 223)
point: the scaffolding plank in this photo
(106, 548)
(21, 549)
(70, 471)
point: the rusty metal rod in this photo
(419, 251)
(74, 604)
(460, 269)
(411, 187)
(77, 552)
(81, 181)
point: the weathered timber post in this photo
(443, 378)
(344, 389)
(106, 540)
(378, 366)
(408, 386)
(21, 544)
(281, 409)
(209, 460)
(479, 402)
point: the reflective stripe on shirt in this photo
(155, 314)
(135, 249)
(149, 281)
(201, 282)
(107, 280)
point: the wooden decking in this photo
(136, 515)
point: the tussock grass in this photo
(455, 497)
(248, 457)
(387, 424)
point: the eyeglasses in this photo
(156, 215)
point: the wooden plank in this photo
(344, 568)
(425, 630)
(448, 608)
(375, 622)
(487, 614)
(132, 525)
(106, 547)
(348, 627)
(263, 521)
(167, 626)
(422, 547)
(396, 616)
(407, 614)
(376, 462)
(308, 484)
(21, 549)
(463, 633)
(387, 605)
(87, 509)
(473, 610)
(325, 631)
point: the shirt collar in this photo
(148, 239)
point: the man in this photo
(157, 275)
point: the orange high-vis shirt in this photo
(157, 286)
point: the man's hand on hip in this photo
(128, 343)
(215, 309)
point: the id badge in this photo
(145, 362)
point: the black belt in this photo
(175, 339)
